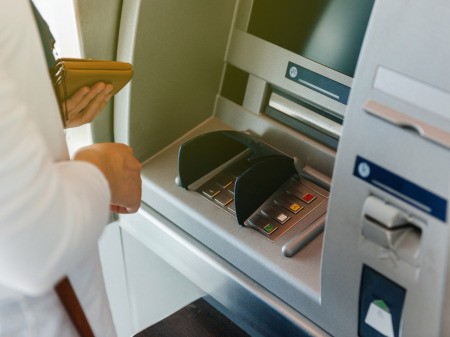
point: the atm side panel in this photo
(386, 239)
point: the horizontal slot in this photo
(310, 118)
(408, 123)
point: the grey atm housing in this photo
(398, 122)
(181, 52)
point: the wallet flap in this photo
(78, 78)
(92, 64)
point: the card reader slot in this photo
(378, 223)
(391, 228)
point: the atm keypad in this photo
(289, 207)
(285, 209)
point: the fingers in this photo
(96, 103)
(118, 209)
(81, 98)
(124, 210)
(129, 200)
(96, 89)
(87, 103)
(73, 102)
(121, 169)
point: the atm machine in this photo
(295, 164)
(385, 250)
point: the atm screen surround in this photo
(329, 32)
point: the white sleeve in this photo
(50, 213)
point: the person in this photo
(52, 209)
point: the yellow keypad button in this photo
(295, 207)
(289, 203)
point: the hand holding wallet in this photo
(71, 74)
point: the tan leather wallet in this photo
(71, 74)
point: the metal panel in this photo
(177, 50)
(251, 304)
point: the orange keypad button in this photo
(289, 203)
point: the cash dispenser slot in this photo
(251, 181)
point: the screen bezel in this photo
(270, 63)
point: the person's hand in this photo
(122, 171)
(86, 103)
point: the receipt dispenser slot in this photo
(390, 227)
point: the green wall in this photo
(99, 22)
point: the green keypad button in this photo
(263, 223)
(269, 228)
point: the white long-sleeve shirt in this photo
(52, 210)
